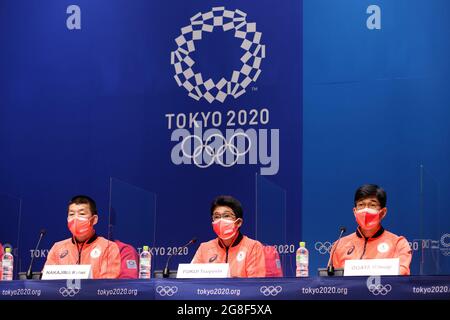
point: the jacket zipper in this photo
(226, 257)
(365, 244)
(79, 253)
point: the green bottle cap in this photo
(8, 250)
(302, 244)
(145, 248)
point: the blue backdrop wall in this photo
(112, 99)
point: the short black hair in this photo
(83, 199)
(227, 201)
(371, 190)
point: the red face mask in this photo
(368, 218)
(80, 226)
(225, 229)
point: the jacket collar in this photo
(91, 239)
(375, 236)
(236, 241)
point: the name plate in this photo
(372, 267)
(203, 270)
(58, 272)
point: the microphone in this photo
(330, 268)
(166, 270)
(41, 235)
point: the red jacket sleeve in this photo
(404, 253)
(198, 257)
(256, 266)
(52, 257)
(129, 261)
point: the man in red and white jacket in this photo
(371, 240)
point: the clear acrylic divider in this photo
(433, 252)
(132, 215)
(270, 226)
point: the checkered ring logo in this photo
(270, 290)
(254, 53)
(445, 240)
(166, 290)
(445, 244)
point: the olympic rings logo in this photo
(215, 155)
(68, 292)
(324, 247)
(380, 289)
(166, 290)
(376, 287)
(254, 53)
(270, 290)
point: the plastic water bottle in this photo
(7, 265)
(145, 260)
(302, 261)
